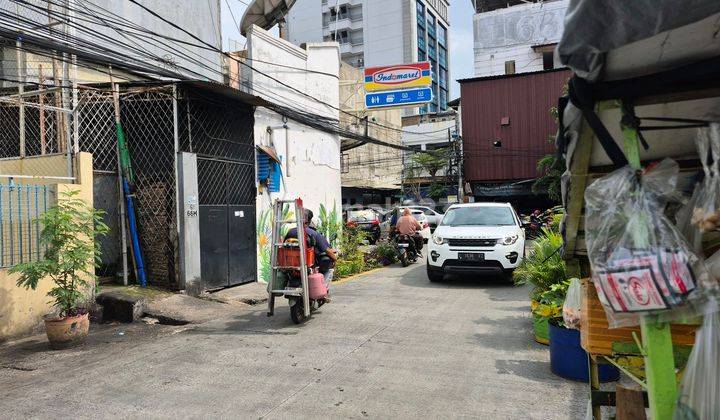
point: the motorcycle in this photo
(318, 289)
(405, 247)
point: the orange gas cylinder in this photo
(316, 283)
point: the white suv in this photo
(481, 238)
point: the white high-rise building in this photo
(376, 33)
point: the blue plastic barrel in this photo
(568, 360)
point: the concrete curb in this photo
(355, 276)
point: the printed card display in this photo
(632, 289)
(645, 280)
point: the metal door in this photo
(214, 246)
(227, 222)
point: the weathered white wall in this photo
(509, 34)
(311, 159)
(201, 18)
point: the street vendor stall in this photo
(641, 189)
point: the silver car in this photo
(434, 218)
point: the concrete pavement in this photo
(390, 345)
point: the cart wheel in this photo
(297, 313)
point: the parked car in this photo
(393, 214)
(433, 216)
(367, 220)
(478, 238)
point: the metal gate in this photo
(227, 222)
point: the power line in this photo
(213, 48)
(147, 9)
(111, 55)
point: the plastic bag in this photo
(685, 224)
(713, 265)
(706, 214)
(699, 396)
(571, 307)
(641, 262)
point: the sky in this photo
(461, 36)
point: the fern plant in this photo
(544, 266)
(71, 252)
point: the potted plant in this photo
(543, 267)
(71, 253)
(567, 357)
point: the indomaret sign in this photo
(399, 76)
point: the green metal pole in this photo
(657, 341)
(659, 368)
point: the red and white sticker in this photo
(632, 290)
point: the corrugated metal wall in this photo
(526, 100)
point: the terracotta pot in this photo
(68, 331)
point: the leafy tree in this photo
(552, 169)
(436, 190)
(431, 160)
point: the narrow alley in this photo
(390, 345)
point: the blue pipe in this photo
(134, 234)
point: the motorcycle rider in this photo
(408, 225)
(325, 255)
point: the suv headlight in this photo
(438, 240)
(508, 240)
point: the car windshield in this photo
(479, 216)
(361, 215)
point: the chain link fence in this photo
(32, 124)
(219, 131)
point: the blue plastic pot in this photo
(568, 360)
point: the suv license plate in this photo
(471, 256)
(403, 245)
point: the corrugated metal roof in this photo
(525, 101)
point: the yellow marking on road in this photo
(355, 276)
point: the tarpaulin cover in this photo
(592, 27)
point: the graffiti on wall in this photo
(329, 224)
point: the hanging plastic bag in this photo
(685, 222)
(699, 396)
(571, 307)
(706, 214)
(641, 262)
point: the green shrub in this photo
(352, 258)
(385, 253)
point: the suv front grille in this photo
(472, 242)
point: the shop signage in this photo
(402, 97)
(399, 76)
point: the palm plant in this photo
(544, 266)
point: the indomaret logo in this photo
(396, 75)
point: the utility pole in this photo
(21, 71)
(461, 159)
(460, 156)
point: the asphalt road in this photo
(390, 345)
